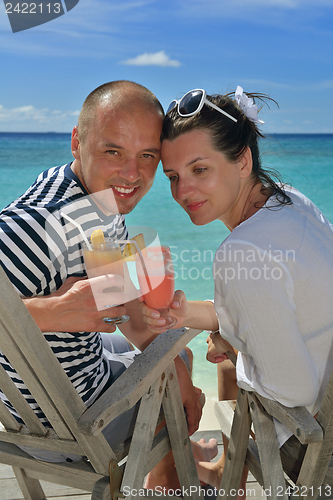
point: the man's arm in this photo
(136, 330)
(72, 308)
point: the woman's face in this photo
(203, 181)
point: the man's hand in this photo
(72, 308)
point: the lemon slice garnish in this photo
(130, 249)
(97, 237)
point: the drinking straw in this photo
(141, 258)
(79, 228)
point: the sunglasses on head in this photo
(192, 103)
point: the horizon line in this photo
(266, 133)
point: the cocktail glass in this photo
(102, 259)
(156, 280)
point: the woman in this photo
(273, 274)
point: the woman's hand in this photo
(178, 310)
(217, 348)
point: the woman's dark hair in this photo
(228, 137)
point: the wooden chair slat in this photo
(160, 447)
(269, 453)
(20, 404)
(298, 420)
(30, 488)
(237, 444)
(73, 425)
(318, 457)
(224, 411)
(18, 353)
(143, 436)
(263, 456)
(7, 418)
(77, 475)
(51, 442)
(179, 439)
(129, 388)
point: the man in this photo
(116, 150)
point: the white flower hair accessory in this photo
(247, 105)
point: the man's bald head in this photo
(122, 94)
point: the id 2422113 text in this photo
(33, 8)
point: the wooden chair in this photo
(262, 455)
(76, 429)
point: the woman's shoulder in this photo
(271, 225)
(279, 226)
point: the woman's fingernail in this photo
(161, 321)
(176, 303)
(155, 315)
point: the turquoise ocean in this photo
(305, 161)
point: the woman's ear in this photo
(246, 163)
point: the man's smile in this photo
(123, 190)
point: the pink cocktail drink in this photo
(156, 280)
(161, 293)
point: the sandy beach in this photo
(209, 421)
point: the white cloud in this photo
(34, 118)
(154, 59)
(324, 85)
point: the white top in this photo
(274, 301)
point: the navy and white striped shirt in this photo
(39, 250)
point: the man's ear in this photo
(246, 163)
(75, 143)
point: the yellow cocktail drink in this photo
(104, 256)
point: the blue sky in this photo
(280, 47)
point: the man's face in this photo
(118, 156)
